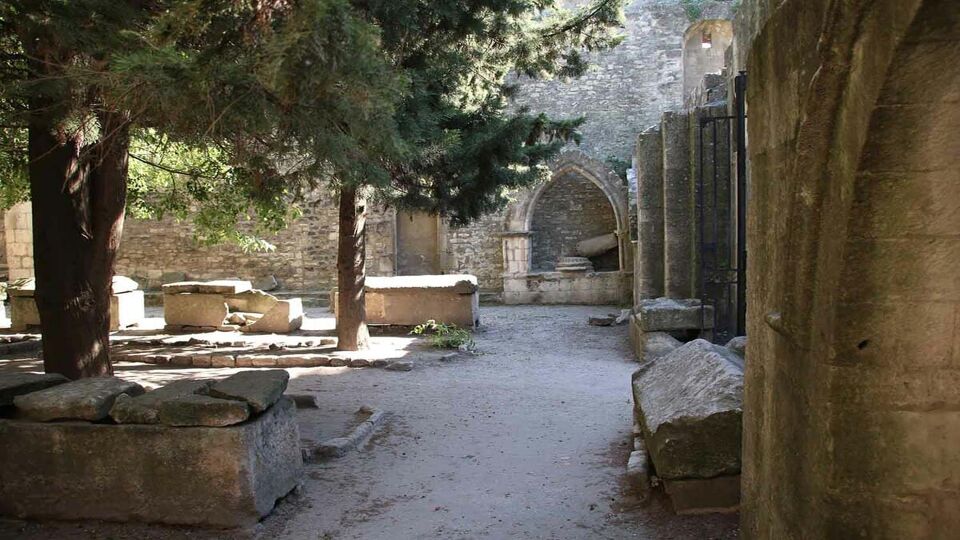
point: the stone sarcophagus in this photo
(202, 453)
(228, 305)
(126, 304)
(412, 300)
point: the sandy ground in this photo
(529, 439)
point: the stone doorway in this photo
(418, 241)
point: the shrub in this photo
(444, 336)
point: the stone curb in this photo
(340, 446)
(223, 360)
(32, 345)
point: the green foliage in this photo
(240, 108)
(444, 336)
(693, 9)
(619, 166)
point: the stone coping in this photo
(232, 359)
(422, 282)
(120, 285)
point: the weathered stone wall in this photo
(304, 259)
(569, 210)
(477, 249)
(852, 407)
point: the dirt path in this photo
(527, 440)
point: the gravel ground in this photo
(528, 439)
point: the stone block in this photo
(650, 346)
(196, 410)
(253, 301)
(258, 388)
(703, 496)
(213, 477)
(638, 473)
(123, 284)
(16, 384)
(689, 404)
(284, 317)
(222, 361)
(126, 309)
(598, 245)
(84, 399)
(222, 286)
(411, 300)
(145, 409)
(194, 309)
(266, 283)
(668, 314)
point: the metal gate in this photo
(721, 217)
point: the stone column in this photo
(516, 252)
(679, 239)
(649, 253)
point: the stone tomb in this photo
(228, 305)
(126, 304)
(655, 320)
(688, 406)
(191, 453)
(412, 300)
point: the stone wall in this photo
(569, 210)
(852, 405)
(304, 259)
(18, 235)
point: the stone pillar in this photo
(516, 252)
(678, 207)
(649, 253)
(18, 224)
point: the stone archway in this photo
(852, 400)
(519, 286)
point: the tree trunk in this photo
(78, 207)
(352, 333)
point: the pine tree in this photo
(462, 145)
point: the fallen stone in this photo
(704, 496)
(689, 404)
(359, 363)
(597, 245)
(739, 346)
(602, 321)
(624, 317)
(84, 399)
(266, 283)
(399, 366)
(339, 362)
(260, 389)
(236, 318)
(16, 384)
(196, 410)
(203, 310)
(145, 409)
(251, 302)
(668, 314)
(220, 286)
(224, 477)
(285, 316)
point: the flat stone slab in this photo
(668, 314)
(284, 317)
(219, 286)
(196, 410)
(16, 384)
(221, 477)
(84, 399)
(259, 388)
(28, 287)
(461, 283)
(194, 309)
(689, 404)
(145, 409)
(704, 496)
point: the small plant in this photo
(444, 336)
